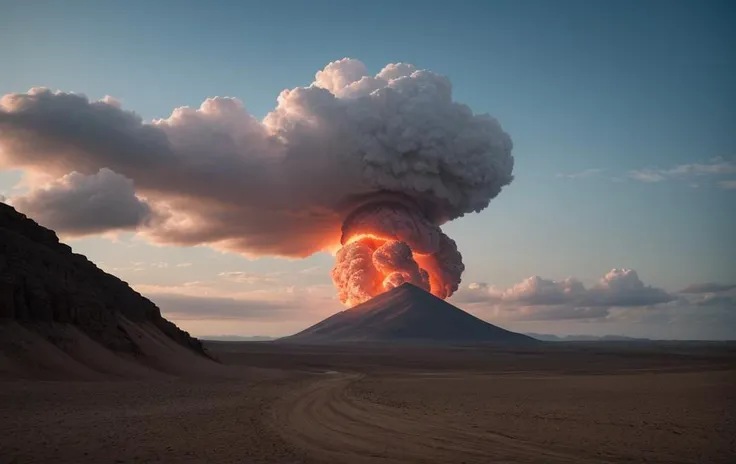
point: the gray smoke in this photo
(397, 244)
(83, 205)
(283, 185)
(216, 175)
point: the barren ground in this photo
(663, 402)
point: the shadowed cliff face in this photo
(43, 282)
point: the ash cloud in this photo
(354, 275)
(78, 205)
(283, 185)
(395, 244)
(395, 260)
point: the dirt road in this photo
(415, 418)
(329, 423)
(348, 405)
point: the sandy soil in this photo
(290, 404)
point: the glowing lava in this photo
(388, 244)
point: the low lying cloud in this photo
(717, 300)
(184, 307)
(138, 266)
(242, 277)
(537, 298)
(206, 301)
(319, 270)
(646, 175)
(708, 287)
(715, 166)
(81, 205)
(581, 174)
(688, 172)
(554, 313)
(727, 184)
(618, 303)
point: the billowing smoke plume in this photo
(387, 243)
(384, 159)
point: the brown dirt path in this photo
(330, 424)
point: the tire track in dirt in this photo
(329, 425)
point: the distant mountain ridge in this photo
(406, 314)
(585, 338)
(236, 338)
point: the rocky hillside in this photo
(42, 283)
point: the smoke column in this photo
(386, 244)
(375, 164)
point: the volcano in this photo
(406, 314)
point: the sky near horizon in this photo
(622, 118)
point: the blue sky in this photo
(603, 100)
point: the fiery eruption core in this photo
(387, 244)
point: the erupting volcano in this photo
(376, 163)
(387, 244)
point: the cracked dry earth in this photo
(365, 405)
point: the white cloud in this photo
(193, 288)
(539, 298)
(313, 270)
(727, 184)
(646, 175)
(206, 301)
(137, 266)
(714, 167)
(710, 316)
(618, 303)
(250, 277)
(582, 174)
(132, 267)
(189, 307)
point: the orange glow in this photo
(383, 282)
(359, 237)
(380, 241)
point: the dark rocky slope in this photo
(43, 284)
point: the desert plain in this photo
(672, 402)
